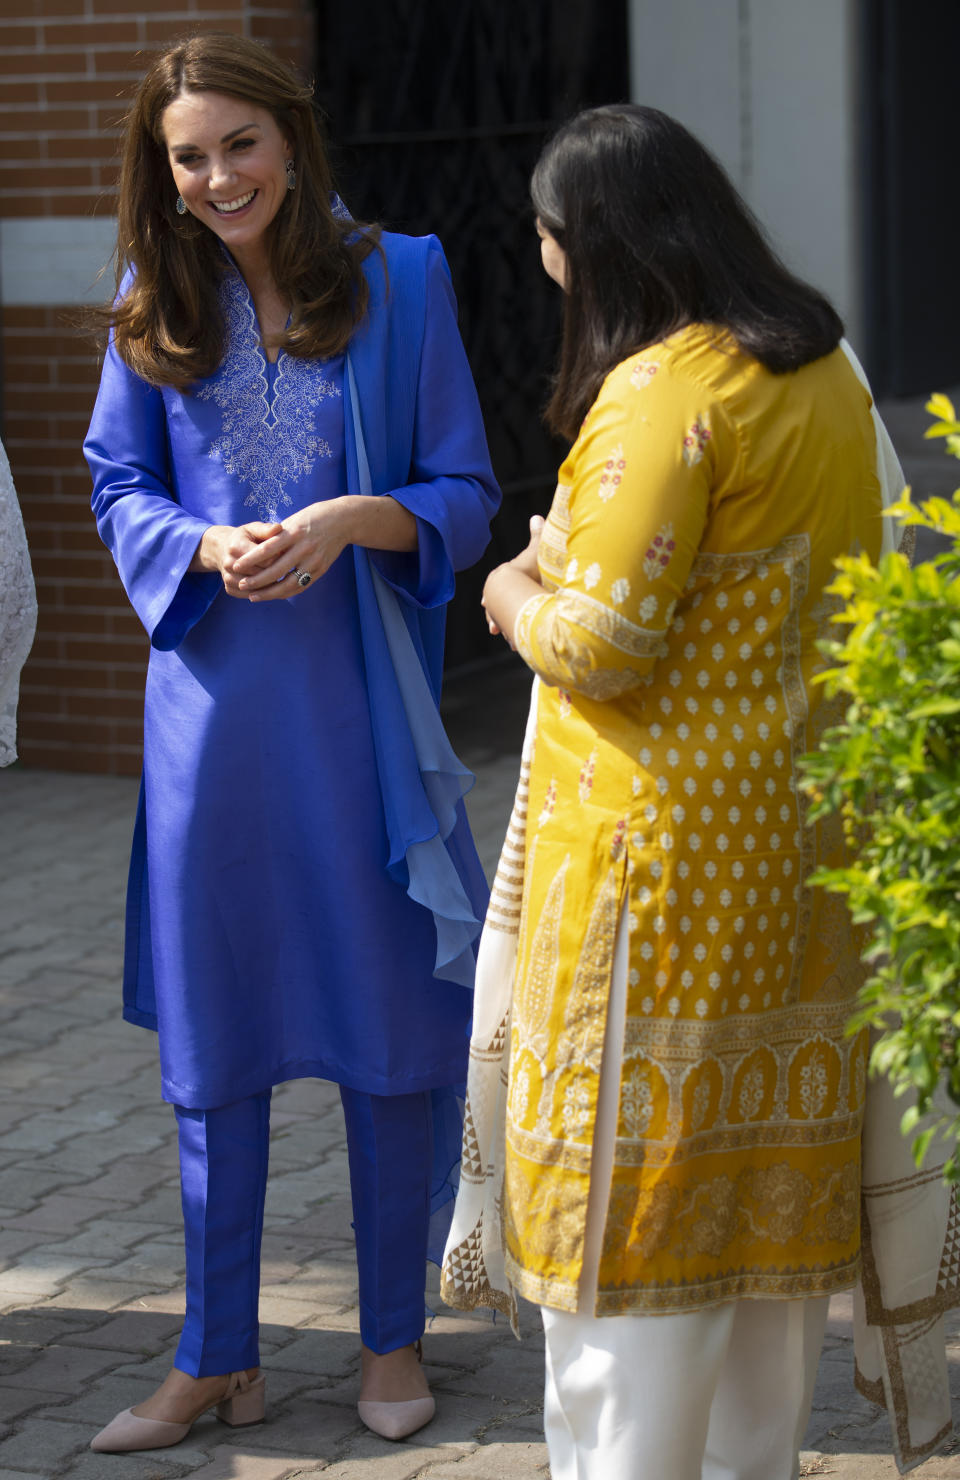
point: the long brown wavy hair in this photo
(167, 325)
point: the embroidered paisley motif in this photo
(265, 445)
(780, 1196)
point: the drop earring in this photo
(291, 175)
(181, 206)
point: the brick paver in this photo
(91, 1263)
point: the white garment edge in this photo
(603, 1154)
(18, 609)
(889, 471)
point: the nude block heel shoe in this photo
(244, 1402)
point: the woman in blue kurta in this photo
(289, 465)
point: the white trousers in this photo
(719, 1394)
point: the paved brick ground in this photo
(91, 1265)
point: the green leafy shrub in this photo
(892, 772)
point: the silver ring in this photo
(303, 576)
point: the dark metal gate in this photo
(912, 208)
(437, 112)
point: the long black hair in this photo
(657, 237)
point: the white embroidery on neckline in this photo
(265, 444)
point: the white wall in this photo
(57, 259)
(771, 87)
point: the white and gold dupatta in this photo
(474, 1273)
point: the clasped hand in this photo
(510, 585)
(264, 562)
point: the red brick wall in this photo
(67, 69)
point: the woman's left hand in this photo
(307, 544)
(528, 559)
(503, 595)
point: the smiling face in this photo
(228, 160)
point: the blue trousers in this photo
(223, 1179)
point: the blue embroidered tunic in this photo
(272, 930)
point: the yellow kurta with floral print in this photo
(684, 559)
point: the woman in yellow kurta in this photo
(684, 1107)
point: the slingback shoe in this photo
(243, 1403)
(396, 1420)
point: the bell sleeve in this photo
(151, 538)
(633, 509)
(451, 489)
